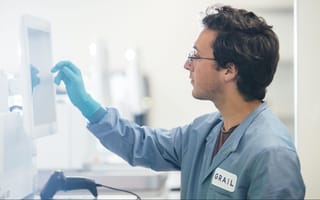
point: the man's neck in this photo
(235, 111)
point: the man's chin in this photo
(199, 97)
(196, 96)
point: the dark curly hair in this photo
(248, 42)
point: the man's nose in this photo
(187, 65)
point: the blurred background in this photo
(132, 53)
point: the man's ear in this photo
(231, 71)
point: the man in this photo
(241, 152)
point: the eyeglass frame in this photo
(191, 57)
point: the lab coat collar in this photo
(231, 143)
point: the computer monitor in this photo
(39, 106)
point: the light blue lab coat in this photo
(258, 160)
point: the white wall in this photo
(308, 96)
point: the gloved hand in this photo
(71, 76)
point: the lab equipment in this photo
(129, 89)
(99, 72)
(59, 182)
(71, 76)
(17, 170)
(4, 92)
(39, 109)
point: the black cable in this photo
(121, 190)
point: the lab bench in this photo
(143, 182)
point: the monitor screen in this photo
(39, 108)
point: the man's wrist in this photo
(89, 107)
(98, 115)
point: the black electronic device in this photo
(58, 182)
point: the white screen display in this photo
(41, 78)
(39, 99)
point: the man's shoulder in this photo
(268, 131)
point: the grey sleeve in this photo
(158, 149)
(276, 174)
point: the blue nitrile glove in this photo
(71, 76)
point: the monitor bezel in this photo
(36, 131)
